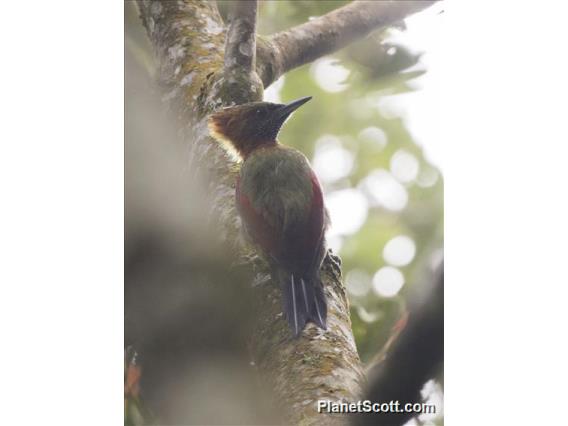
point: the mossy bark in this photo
(188, 39)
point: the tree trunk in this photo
(188, 38)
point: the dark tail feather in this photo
(304, 301)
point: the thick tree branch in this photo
(304, 43)
(240, 47)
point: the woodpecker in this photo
(280, 202)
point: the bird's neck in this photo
(246, 149)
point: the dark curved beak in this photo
(285, 110)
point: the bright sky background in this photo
(421, 109)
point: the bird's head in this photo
(243, 128)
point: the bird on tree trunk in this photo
(280, 201)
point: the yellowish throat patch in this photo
(216, 132)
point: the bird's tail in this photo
(303, 301)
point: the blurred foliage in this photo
(377, 70)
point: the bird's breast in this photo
(278, 185)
